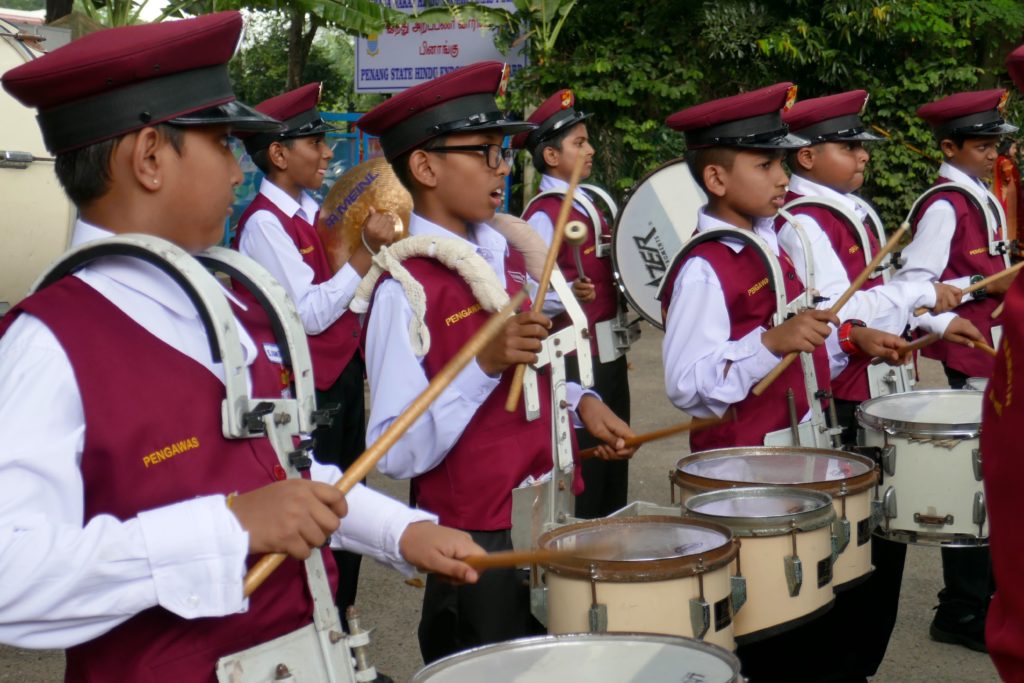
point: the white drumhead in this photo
(756, 506)
(638, 541)
(658, 217)
(781, 467)
(37, 216)
(928, 413)
(623, 658)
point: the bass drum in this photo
(38, 217)
(659, 216)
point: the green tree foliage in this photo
(28, 5)
(632, 64)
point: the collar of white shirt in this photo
(809, 188)
(487, 241)
(140, 276)
(307, 206)
(956, 175)
(550, 182)
(763, 228)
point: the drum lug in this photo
(889, 460)
(739, 592)
(889, 503)
(976, 463)
(877, 515)
(700, 617)
(539, 604)
(794, 575)
(597, 618)
(842, 537)
(935, 520)
(980, 514)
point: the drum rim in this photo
(518, 644)
(613, 252)
(759, 527)
(896, 427)
(642, 571)
(834, 487)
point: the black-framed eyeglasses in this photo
(494, 154)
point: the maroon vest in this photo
(471, 488)
(1003, 469)
(153, 438)
(333, 348)
(852, 383)
(750, 303)
(968, 255)
(605, 305)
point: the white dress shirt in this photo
(265, 241)
(887, 307)
(397, 376)
(544, 226)
(705, 372)
(64, 581)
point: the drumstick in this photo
(517, 558)
(999, 309)
(985, 347)
(980, 284)
(362, 466)
(924, 341)
(516, 389)
(691, 426)
(834, 310)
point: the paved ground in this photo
(391, 606)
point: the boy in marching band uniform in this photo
(719, 341)
(953, 244)
(278, 230)
(138, 569)
(555, 145)
(466, 454)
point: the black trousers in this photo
(606, 482)
(340, 443)
(495, 609)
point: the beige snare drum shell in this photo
(855, 560)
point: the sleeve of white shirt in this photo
(375, 522)
(64, 582)
(928, 254)
(705, 373)
(397, 377)
(546, 229)
(829, 274)
(265, 241)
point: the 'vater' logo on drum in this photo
(653, 256)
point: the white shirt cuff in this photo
(758, 360)
(197, 550)
(474, 384)
(934, 323)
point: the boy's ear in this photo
(144, 155)
(551, 156)
(805, 158)
(421, 168)
(948, 148)
(276, 155)
(715, 177)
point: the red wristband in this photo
(845, 342)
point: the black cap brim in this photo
(240, 117)
(787, 141)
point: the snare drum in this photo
(623, 658)
(658, 217)
(786, 553)
(644, 574)
(850, 479)
(931, 465)
(977, 384)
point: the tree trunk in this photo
(299, 44)
(55, 9)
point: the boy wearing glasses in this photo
(467, 453)
(278, 230)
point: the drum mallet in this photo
(366, 462)
(980, 284)
(576, 235)
(834, 310)
(691, 426)
(516, 390)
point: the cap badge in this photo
(864, 106)
(1001, 107)
(790, 98)
(506, 71)
(567, 99)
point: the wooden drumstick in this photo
(924, 341)
(999, 309)
(691, 426)
(576, 235)
(980, 284)
(834, 310)
(985, 347)
(516, 390)
(366, 462)
(517, 558)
